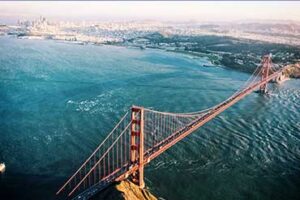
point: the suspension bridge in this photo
(142, 134)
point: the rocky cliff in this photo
(292, 71)
(124, 190)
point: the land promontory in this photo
(124, 190)
(292, 70)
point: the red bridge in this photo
(143, 134)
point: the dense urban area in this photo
(238, 45)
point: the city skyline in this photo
(165, 11)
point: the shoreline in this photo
(182, 52)
(213, 58)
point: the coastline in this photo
(213, 58)
(196, 88)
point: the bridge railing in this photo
(159, 126)
(113, 158)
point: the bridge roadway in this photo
(123, 172)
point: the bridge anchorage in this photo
(143, 134)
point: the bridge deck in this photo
(123, 173)
(145, 134)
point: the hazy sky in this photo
(167, 10)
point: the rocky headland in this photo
(124, 190)
(292, 70)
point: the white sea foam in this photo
(70, 102)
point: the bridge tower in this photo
(137, 145)
(266, 65)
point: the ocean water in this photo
(58, 101)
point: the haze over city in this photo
(173, 11)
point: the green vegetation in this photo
(239, 54)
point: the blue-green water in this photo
(58, 101)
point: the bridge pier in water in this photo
(266, 66)
(137, 145)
